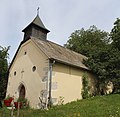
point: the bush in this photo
(85, 89)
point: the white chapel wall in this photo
(27, 57)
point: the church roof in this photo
(60, 53)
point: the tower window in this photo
(34, 68)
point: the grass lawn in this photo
(99, 106)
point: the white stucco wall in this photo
(32, 81)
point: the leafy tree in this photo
(3, 70)
(115, 34)
(105, 63)
(87, 41)
(115, 45)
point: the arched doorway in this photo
(21, 91)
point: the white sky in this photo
(61, 17)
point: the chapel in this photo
(43, 72)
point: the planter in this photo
(16, 104)
(7, 103)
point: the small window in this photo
(34, 68)
(25, 53)
(15, 73)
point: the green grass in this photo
(99, 106)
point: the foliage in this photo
(115, 34)
(22, 100)
(7, 97)
(99, 106)
(61, 100)
(25, 102)
(87, 41)
(106, 65)
(115, 45)
(3, 70)
(85, 84)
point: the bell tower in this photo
(35, 29)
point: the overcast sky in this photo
(61, 17)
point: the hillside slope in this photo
(99, 106)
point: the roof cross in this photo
(38, 11)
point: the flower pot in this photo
(7, 103)
(16, 104)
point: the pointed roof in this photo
(38, 22)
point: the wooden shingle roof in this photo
(60, 53)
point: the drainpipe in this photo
(51, 63)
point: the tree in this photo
(105, 63)
(115, 45)
(87, 41)
(3, 70)
(115, 34)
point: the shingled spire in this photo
(36, 29)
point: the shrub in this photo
(85, 89)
